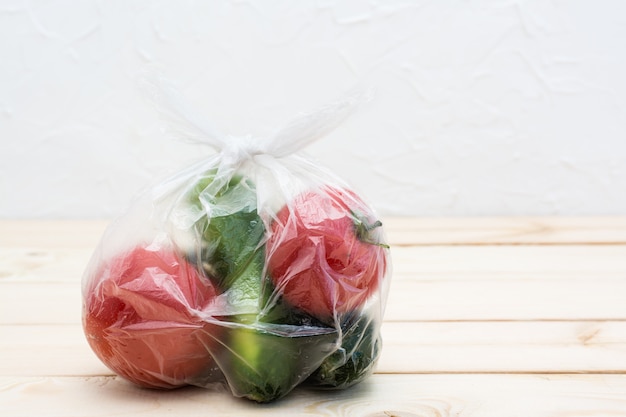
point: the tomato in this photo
(139, 318)
(325, 252)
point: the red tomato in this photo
(139, 318)
(325, 253)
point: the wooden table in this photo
(486, 317)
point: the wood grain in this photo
(381, 396)
(485, 317)
(59, 234)
(403, 231)
(442, 283)
(431, 300)
(409, 347)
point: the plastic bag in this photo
(255, 269)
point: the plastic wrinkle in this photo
(256, 269)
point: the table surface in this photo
(485, 317)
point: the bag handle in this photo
(184, 123)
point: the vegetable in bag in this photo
(255, 269)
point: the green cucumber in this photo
(265, 361)
(262, 358)
(354, 360)
(265, 347)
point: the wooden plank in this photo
(37, 234)
(43, 265)
(408, 347)
(428, 283)
(503, 262)
(504, 347)
(400, 231)
(51, 350)
(505, 230)
(380, 396)
(522, 299)
(414, 263)
(25, 303)
(471, 297)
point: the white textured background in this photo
(481, 107)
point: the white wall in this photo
(481, 107)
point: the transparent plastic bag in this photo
(255, 269)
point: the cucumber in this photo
(355, 359)
(265, 348)
(264, 361)
(266, 355)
